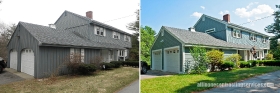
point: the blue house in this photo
(170, 50)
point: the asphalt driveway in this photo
(156, 73)
(132, 88)
(8, 77)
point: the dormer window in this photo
(236, 33)
(116, 35)
(264, 40)
(100, 31)
(253, 37)
(126, 38)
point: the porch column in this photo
(245, 57)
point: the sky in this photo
(185, 13)
(117, 13)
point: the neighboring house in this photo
(171, 49)
(39, 50)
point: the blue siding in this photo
(229, 51)
(220, 28)
(246, 41)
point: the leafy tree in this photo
(215, 58)
(234, 58)
(147, 39)
(199, 60)
(134, 51)
(5, 37)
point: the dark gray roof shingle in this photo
(198, 38)
(51, 36)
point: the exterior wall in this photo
(91, 54)
(108, 38)
(168, 41)
(228, 52)
(208, 23)
(25, 41)
(67, 20)
(246, 41)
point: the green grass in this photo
(102, 82)
(188, 83)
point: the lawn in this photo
(188, 83)
(102, 82)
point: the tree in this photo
(147, 39)
(200, 60)
(134, 51)
(5, 37)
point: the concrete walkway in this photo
(155, 73)
(272, 79)
(132, 88)
(20, 74)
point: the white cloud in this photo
(202, 7)
(251, 4)
(197, 14)
(260, 9)
(224, 12)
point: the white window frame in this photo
(73, 51)
(99, 30)
(253, 36)
(116, 35)
(264, 40)
(236, 33)
(126, 38)
(162, 33)
(210, 30)
(123, 53)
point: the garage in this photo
(172, 60)
(157, 60)
(13, 59)
(27, 61)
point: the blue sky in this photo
(185, 13)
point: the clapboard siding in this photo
(91, 55)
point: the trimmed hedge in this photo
(264, 62)
(86, 68)
(227, 64)
(131, 63)
(107, 65)
(245, 64)
(117, 64)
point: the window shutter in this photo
(82, 55)
(240, 34)
(71, 54)
(114, 34)
(250, 37)
(104, 32)
(232, 33)
(95, 30)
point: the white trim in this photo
(164, 57)
(190, 45)
(71, 54)
(174, 47)
(210, 30)
(247, 30)
(183, 55)
(82, 55)
(153, 64)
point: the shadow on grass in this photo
(226, 77)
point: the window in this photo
(76, 54)
(116, 35)
(264, 40)
(210, 30)
(253, 37)
(122, 53)
(100, 31)
(126, 38)
(203, 18)
(236, 33)
(162, 33)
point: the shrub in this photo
(227, 64)
(253, 63)
(269, 56)
(244, 64)
(234, 58)
(96, 61)
(107, 65)
(215, 58)
(117, 64)
(86, 68)
(200, 60)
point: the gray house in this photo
(39, 50)
(171, 49)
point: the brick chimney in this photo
(89, 14)
(226, 18)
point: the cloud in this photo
(224, 12)
(202, 7)
(260, 9)
(251, 4)
(197, 14)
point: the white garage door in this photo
(157, 60)
(27, 61)
(13, 59)
(172, 60)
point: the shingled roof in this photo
(199, 38)
(50, 36)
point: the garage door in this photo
(13, 59)
(27, 61)
(172, 60)
(157, 60)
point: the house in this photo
(171, 48)
(39, 50)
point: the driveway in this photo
(156, 73)
(272, 79)
(10, 75)
(132, 88)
